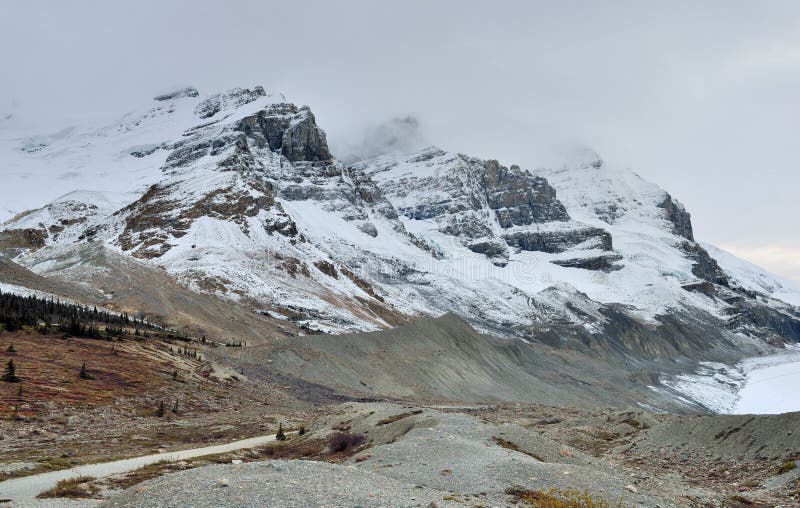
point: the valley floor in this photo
(479, 455)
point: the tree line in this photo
(17, 311)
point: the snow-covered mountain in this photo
(237, 194)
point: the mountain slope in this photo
(237, 194)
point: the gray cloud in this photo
(397, 135)
(700, 97)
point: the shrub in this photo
(72, 487)
(342, 441)
(302, 431)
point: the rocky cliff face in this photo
(676, 214)
(288, 130)
(485, 206)
(518, 198)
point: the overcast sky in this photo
(702, 98)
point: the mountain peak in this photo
(230, 99)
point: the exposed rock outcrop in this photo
(681, 220)
(477, 200)
(287, 129)
(705, 287)
(752, 318)
(604, 263)
(704, 266)
(559, 241)
(151, 222)
(518, 198)
(492, 248)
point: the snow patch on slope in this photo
(755, 278)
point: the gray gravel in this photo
(417, 456)
(290, 484)
(426, 456)
(456, 453)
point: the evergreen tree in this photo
(175, 406)
(10, 374)
(160, 411)
(280, 436)
(11, 349)
(84, 374)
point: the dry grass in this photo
(49, 366)
(78, 487)
(147, 472)
(559, 498)
(397, 417)
(787, 466)
(508, 445)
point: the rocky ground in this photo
(498, 455)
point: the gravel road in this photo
(27, 488)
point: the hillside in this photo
(228, 215)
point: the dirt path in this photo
(28, 487)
